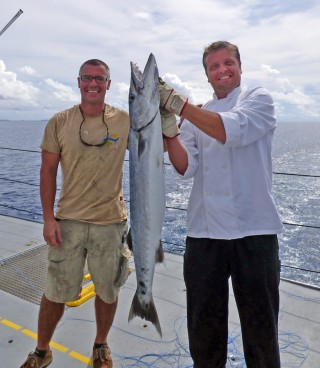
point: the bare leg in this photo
(104, 317)
(49, 315)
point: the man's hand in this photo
(52, 233)
(170, 99)
(169, 123)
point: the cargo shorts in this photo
(100, 245)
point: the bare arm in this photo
(207, 121)
(48, 187)
(177, 154)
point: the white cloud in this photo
(13, 89)
(197, 92)
(289, 95)
(118, 95)
(142, 16)
(28, 70)
(62, 92)
(176, 83)
(268, 69)
(50, 41)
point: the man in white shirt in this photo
(233, 223)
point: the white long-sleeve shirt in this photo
(231, 195)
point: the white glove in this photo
(170, 99)
(169, 124)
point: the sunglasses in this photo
(80, 130)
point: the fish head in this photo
(144, 99)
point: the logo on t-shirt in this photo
(111, 139)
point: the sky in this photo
(41, 52)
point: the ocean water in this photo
(296, 186)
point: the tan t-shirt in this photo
(91, 176)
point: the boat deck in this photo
(134, 344)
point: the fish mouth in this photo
(137, 76)
(143, 95)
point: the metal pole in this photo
(11, 21)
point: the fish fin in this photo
(147, 312)
(141, 146)
(159, 253)
(129, 240)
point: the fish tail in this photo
(145, 311)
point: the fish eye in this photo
(131, 97)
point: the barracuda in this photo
(147, 186)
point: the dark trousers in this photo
(253, 265)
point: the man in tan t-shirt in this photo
(89, 142)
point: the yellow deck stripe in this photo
(87, 293)
(59, 347)
(11, 324)
(80, 357)
(30, 333)
(54, 345)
